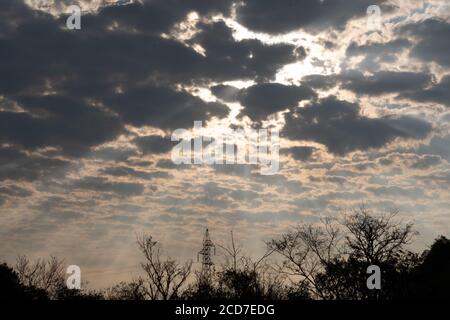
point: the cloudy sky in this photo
(86, 118)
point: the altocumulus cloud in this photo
(341, 128)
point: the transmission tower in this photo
(207, 252)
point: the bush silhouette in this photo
(431, 279)
(12, 289)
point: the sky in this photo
(361, 99)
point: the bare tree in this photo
(376, 237)
(307, 250)
(232, 253)
(243, 277)
(42, 274)
(234, 256)
(164, 277)
(310, 251)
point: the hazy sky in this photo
(86, 118)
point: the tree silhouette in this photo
(376, 238)
(12, 289)
(166, 277)
(44, 274)
(331, 259)
(327, 260)
(307, 250)
(431, 279)
(134, 290)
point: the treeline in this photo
(326, 261)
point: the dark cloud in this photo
(433, 41)
(265, 99)
(332, 179)
(395, 191)
(15, 191)
(244, 195)
(59, 216)
(98, 68)
(11, 155)
(153, 16)
(378, 48)
(438, 93)
(112, 154)
(441, 178)
(163, 107)
(154, 144)
(123, 171)
(168, 164)
(427, 161)
(376, 83)
(17, 165)
(248, 58)
(376, 53)
(262, 100)
(312, 203)
(383, 82)
(58, 121)
(437, 146)
(340, 127)
(225, 92)
(312, 15)
(56, 202)
(299, 153)
(125, 189)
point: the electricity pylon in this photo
(208, 250)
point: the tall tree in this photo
(165, 277)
